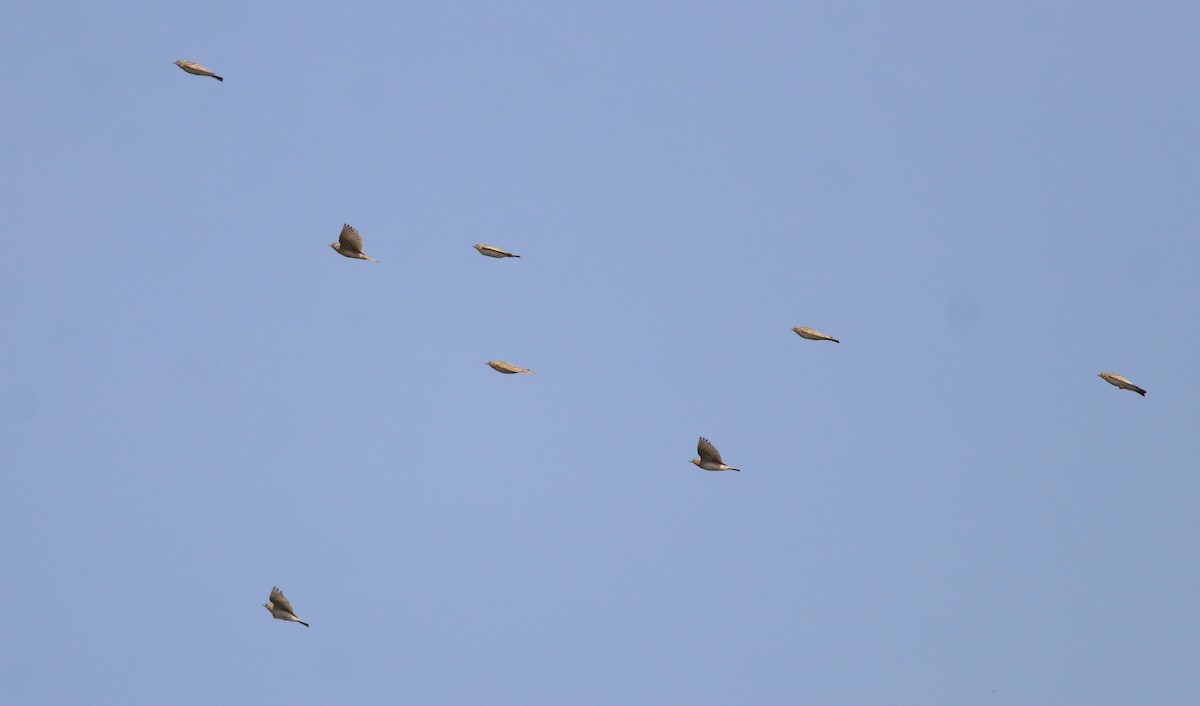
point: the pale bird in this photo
(349, 244)
(193, 68)
(812, 334)
(281, 608)
(492, 251)
(1121, 382)
(507, 368)
(710, 458)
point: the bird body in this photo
(507, 368)
(350, 245)
(710, 458)
(193, 68)
(281, 608)
(812, 334)
(1121, 382)
(492, 251)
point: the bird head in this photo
(696, 461)
(336, 246)
(268, 606)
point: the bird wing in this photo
(350, 239)
(193, 67)
(708, 452)
(507, 367)
(280, 601)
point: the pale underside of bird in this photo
(281, 608)
(812, 334)
(710, 458)
(350, 244)
(1121, 382)
(492, 251)
(508, 368)
(193, 68)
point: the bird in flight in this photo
(812, 334)
(507, 368)
(349, 244)
(281, 608)
(1121, 382)
(193, 68)
(710, 458)
(492, 251)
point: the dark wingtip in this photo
(302, 623)
(1141, 392)
(835, 340)
(218, 78)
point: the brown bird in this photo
(193, 68)
(710, 458)
(507, 368)
(1121, 382)
(349, 244)
(492, 251)
(812, 334)
(281, 608)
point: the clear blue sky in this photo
(988, 203)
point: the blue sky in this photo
(988, 203)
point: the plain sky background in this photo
(988, 203)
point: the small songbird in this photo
(281, 608)
(507, 368)
(812, 334)
(349, 244)
(193, 68)
(492, 251)
(710, 458)
(1121, 382)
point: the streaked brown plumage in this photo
(507, 368)
(812, 334)
(281, 608)
(350, 244)
(710, 458)
(193, 68)
(1121, 382)
(492, 251)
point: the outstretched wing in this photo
(350, 239)
(708, 452)
(280, 601)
